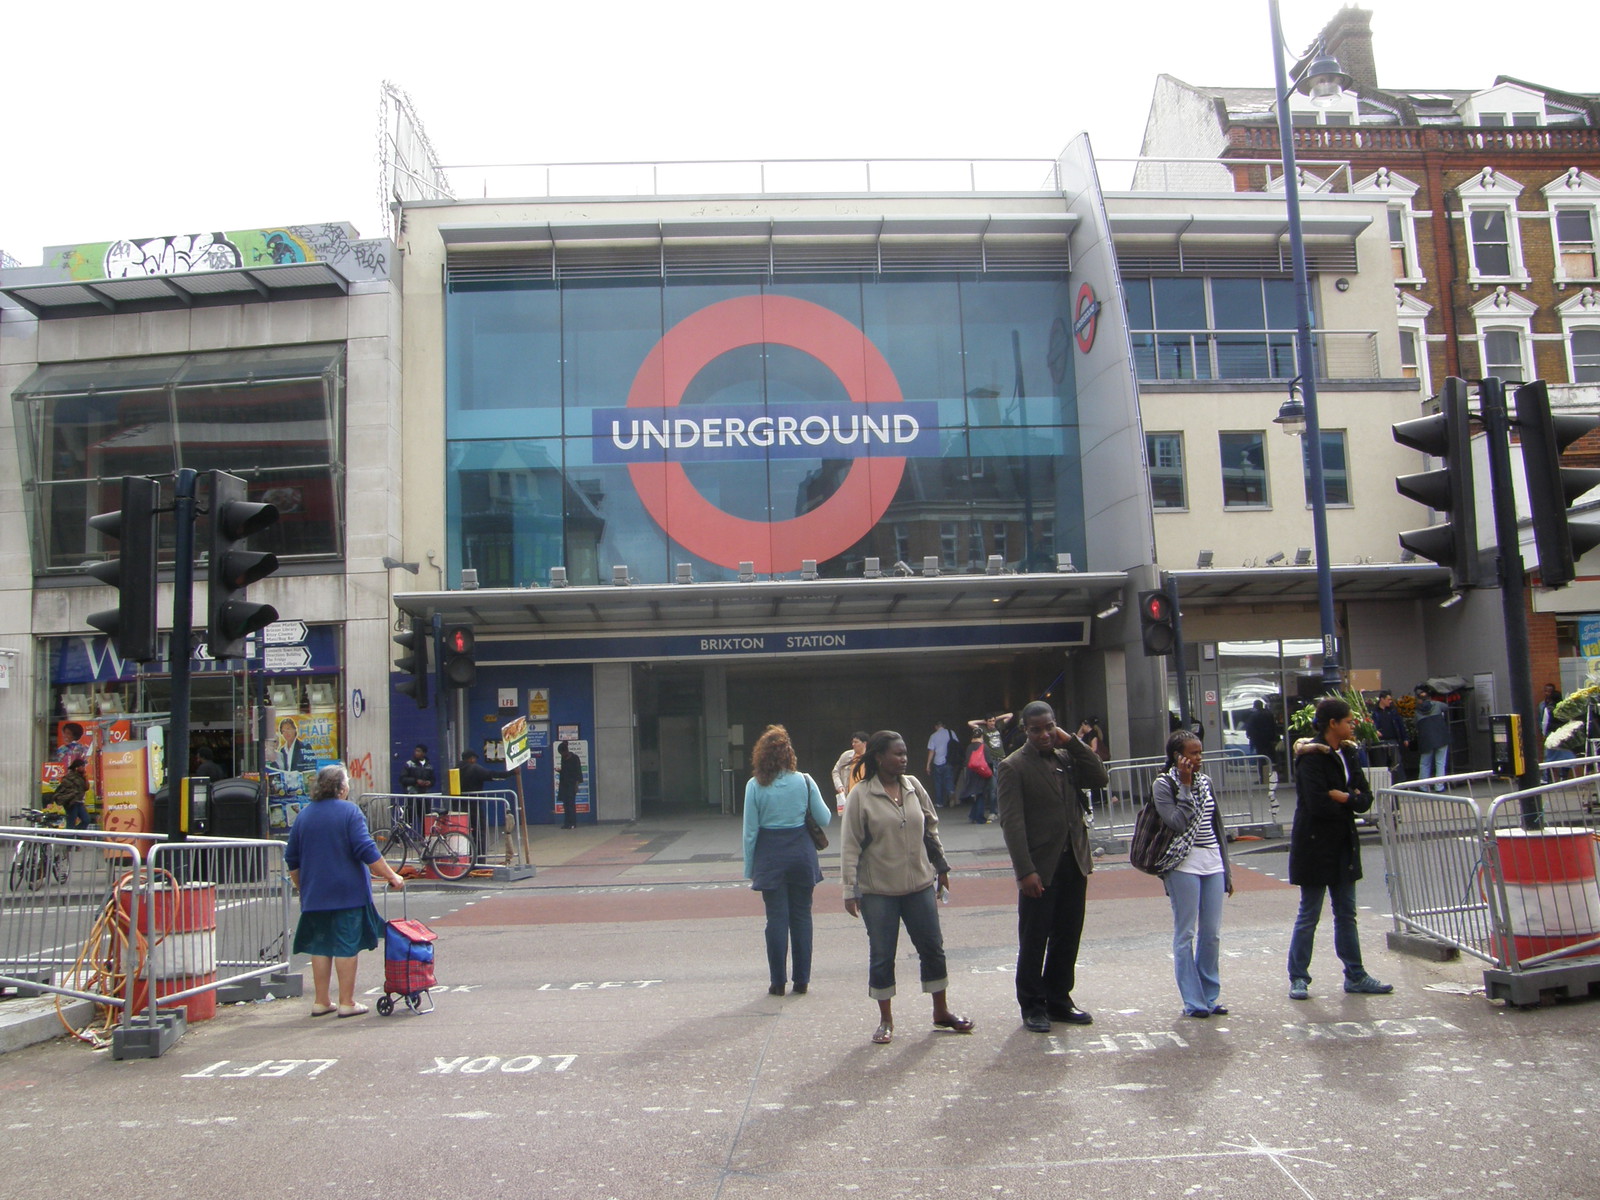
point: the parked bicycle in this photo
(32, 863)
(447, 852)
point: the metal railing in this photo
(1245, 354)
(787, 176)
(144, 928)
(490, 821)
(1245, 787)
(1510, 880)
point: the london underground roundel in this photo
(699, 526)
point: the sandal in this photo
(355, 1010)
(321, 1010)
(953, 1023)
(883, 1034)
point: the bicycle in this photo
(447, 852)
(32, 863)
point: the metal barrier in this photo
(478, 819)
(154, 932)
(1511, 880)
(1245, 787)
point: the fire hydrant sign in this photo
(514, 736)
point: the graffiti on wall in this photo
(177, 254)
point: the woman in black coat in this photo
(1324, 850)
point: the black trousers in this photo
(569, 810)
(1048, 932)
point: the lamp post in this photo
(1326, 82)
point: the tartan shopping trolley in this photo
(407, 965)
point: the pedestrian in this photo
(891, 860)
(780, 858)
(1043, 816)
(569, 776)
(206, 766)
(70, 794)
(332, 861)
(1391, 727)
(418, 776)
(1261, 730)
(847, 770)
(973, 787)
(942, 746)
(1324, 849)
(472, 776)
(1433, 736)
(990, 729)
(1196, 886)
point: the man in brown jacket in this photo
(1042, 815)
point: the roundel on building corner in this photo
(699, 526)
(1085, 318)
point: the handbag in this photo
(1157, 848)
(978, 762)
(819, 837)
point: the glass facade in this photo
(654, 423)
(1226, 327)
(273, 416)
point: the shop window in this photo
(1244, 470)
(272, 416)
(1164, 452)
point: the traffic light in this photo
(232, 568)
(1446, 435)
(1552, 487)
(1155, 623)
(455, 656)
(414, 662)
(132, 624)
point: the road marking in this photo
(1357, 1030)
(271, 1068)
(1112, 1043)
(484, 1064)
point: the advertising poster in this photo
(74, 743)
(514, 739)
(581, 749)
(302, 743)
(127, 805)
(1589, 636)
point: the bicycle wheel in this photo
(37, 867)
(18, 865)
(61, 863)
(393, 845)
(449, 854)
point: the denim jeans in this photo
(788, 922)
(1196, 937)
(1432, 763)
(1346, 940)
(983, 803)
(944, 783)
(882, 916)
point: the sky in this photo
(172, 117)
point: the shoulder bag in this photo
(819, 836)
(1157, 848)
(978, 761)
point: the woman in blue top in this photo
(780, 859)
(1196, 886)
(332, 859)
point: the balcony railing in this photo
(1250, 354)
(1349, 139)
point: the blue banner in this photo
(720, 432)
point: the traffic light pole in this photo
(1508, 563)
(435, 635)
(1179, 653)
(178, 647)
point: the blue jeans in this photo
(882, 916)
(1432, 763)
(944, 783)
(983, 803)
(788, 922)
(1196, 937)
(1346, 940)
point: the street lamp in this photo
(1325, 82)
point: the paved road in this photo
(616, 1040)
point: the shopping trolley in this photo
(407, 965)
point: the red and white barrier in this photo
(180, 951)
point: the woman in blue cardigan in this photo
(780, 859)
(332, 860)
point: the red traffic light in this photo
(1157, 606)
(458, 640)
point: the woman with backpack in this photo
(1196, 886)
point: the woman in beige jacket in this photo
(891, 860)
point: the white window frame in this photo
(1486, 191)
(1582, 312)
(1507, 102)
(1401, 193)
(1505, 310)
(1574, 190)
(1345, 105)
(1182, 467)
(1412, 316)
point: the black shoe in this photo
(775, 990)
(1071, 1015)
(1036, 1022)
(799, 989)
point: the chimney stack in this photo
(1348, 37)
